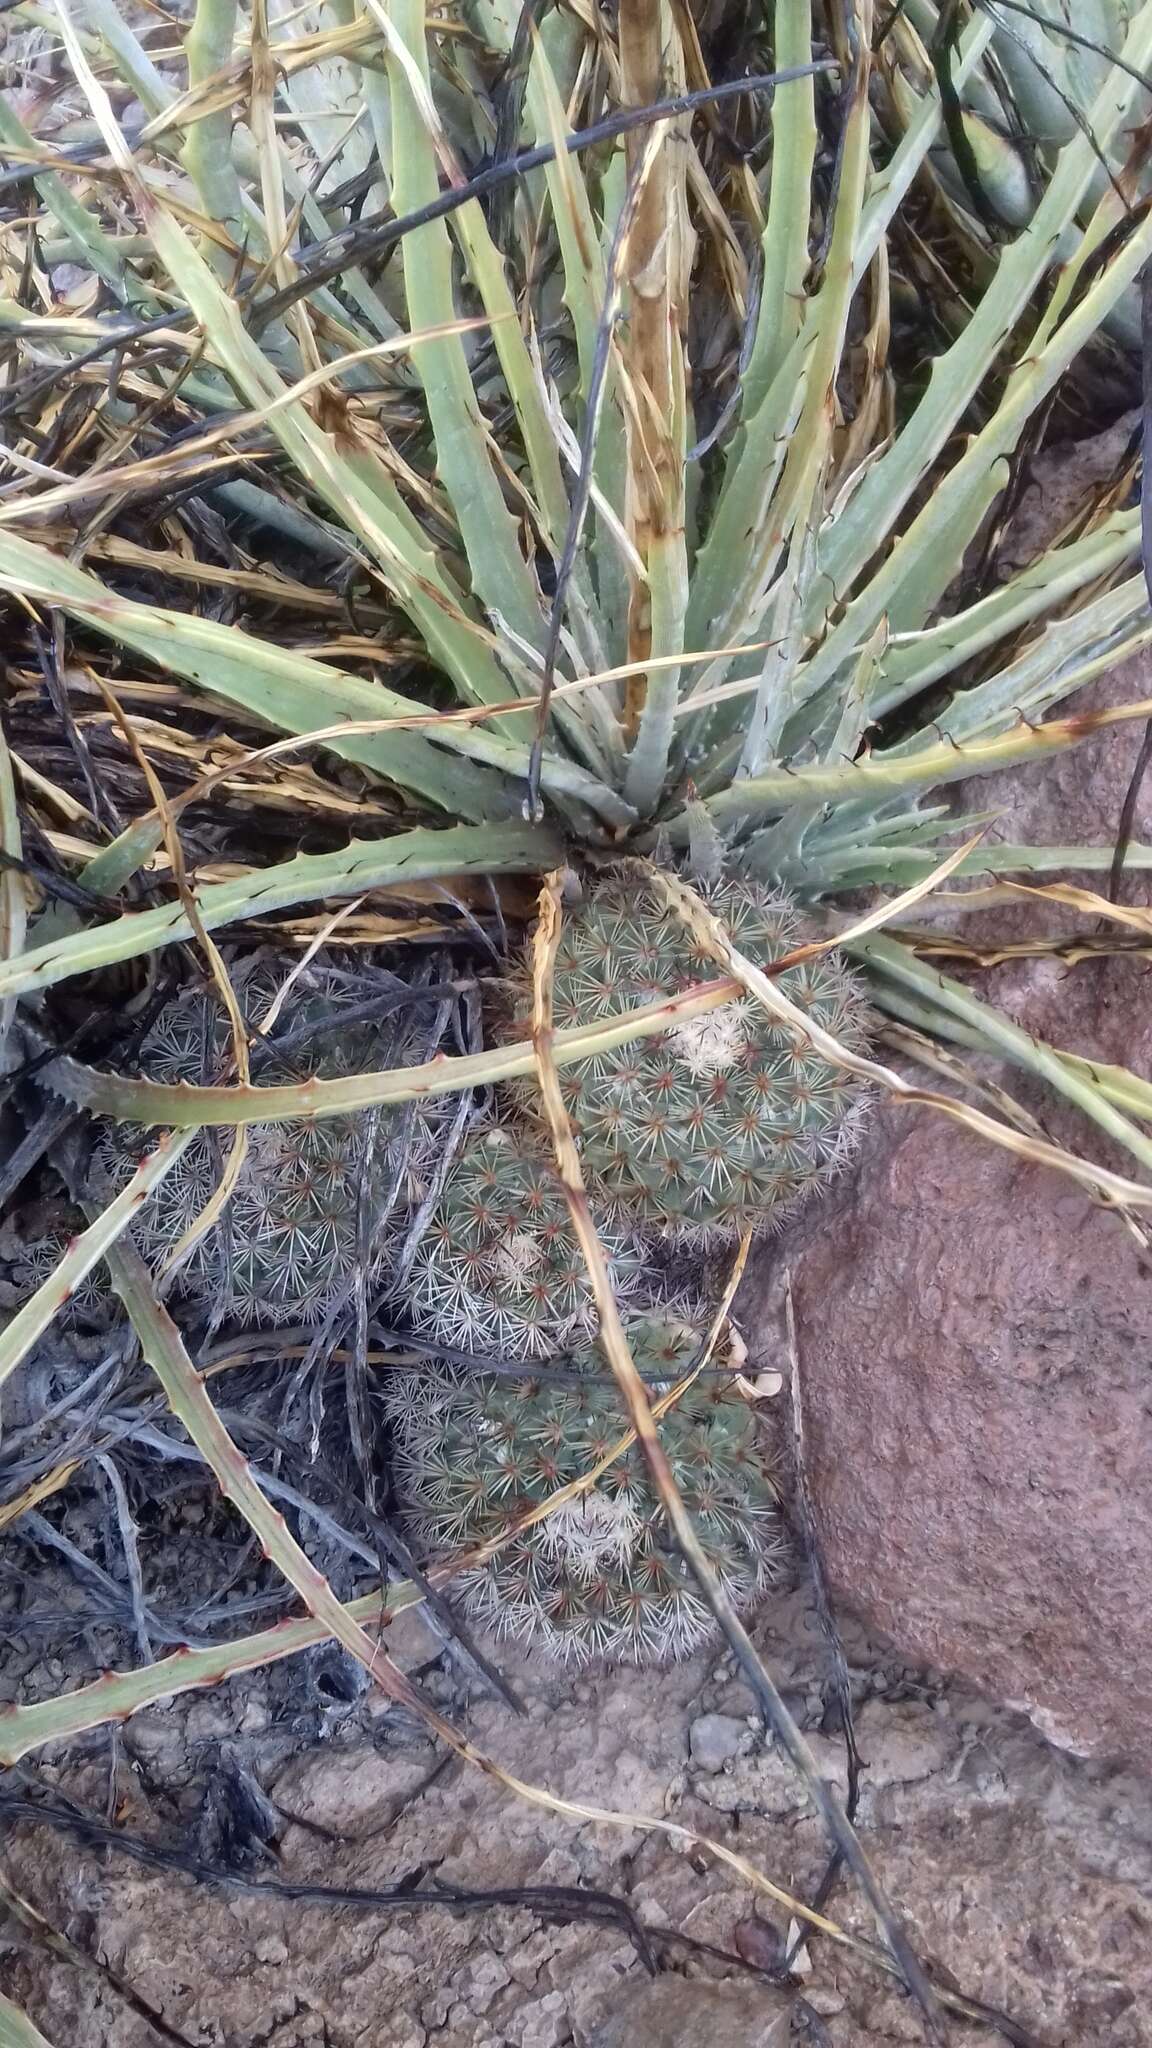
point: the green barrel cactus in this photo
(498, 1268)
(718, 1124)
(600, 1577)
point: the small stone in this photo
(543, 2024)
(155, 1740)
(410, 1641)
(759, 1943)
(686, 2012)
(823, 2000)
(715, 1739)
(480, 1981)
(271, 1949)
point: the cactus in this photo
(600, 1576)
(288, 1242)
(498, 1267)
(28, 1262)
(724, 1120)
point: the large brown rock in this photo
(976, 1336)
(975, 1345)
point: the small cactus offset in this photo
(600, 1576)
(721, 1122)
(288, 1242)
(498, 1267)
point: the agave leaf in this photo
(361, 491)
(189, 1401)
(958, 503)
(1118, 1086)
(13, 906)
(915, 660)
(1069, 652)
(584, 274)
(784, 243)
(207, 152)
(500, 576)
(890, 186)
(851, 868)
(917, 765)
(654, 257)
(998, 165)
(117, 1694)
(956, 375)
(17, 2030)
(586, 294)
(299, 694)
(182, 1105)
(86, 1251)
(92, 244)
(584, 719)
(736, 563)
(310, 878)
(775, 694)
(1076, 1085)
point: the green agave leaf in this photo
(1116, 1085)
(187, 1395)
(919, 765)
(118, 1694)
(309, 878)
(359, 491)
(914, 661)
(296, 693)
(181, 1105)
(901, 866)
(956, 375)
(86, 1251)
(784, 243)
(17, 2030)
(77, 221)
(501, 578)
(999, 1034)
(1066, 655)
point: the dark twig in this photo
(1056, 27)
(810, 1545)
(551, 1901)
(381, 232)
(128, 1543)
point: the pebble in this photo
(715, 1739)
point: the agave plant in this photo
(1008, 118)
(685, 605)
(583, 363)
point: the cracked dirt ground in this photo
(1024, 1873)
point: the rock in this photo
(349, 1792)
(974, 1338)
(543, 2024)
(975, 1334)
(901, 1742)
(679, 2012)
(714, 1739)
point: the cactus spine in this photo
(600, 1576)
(721, 1122)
